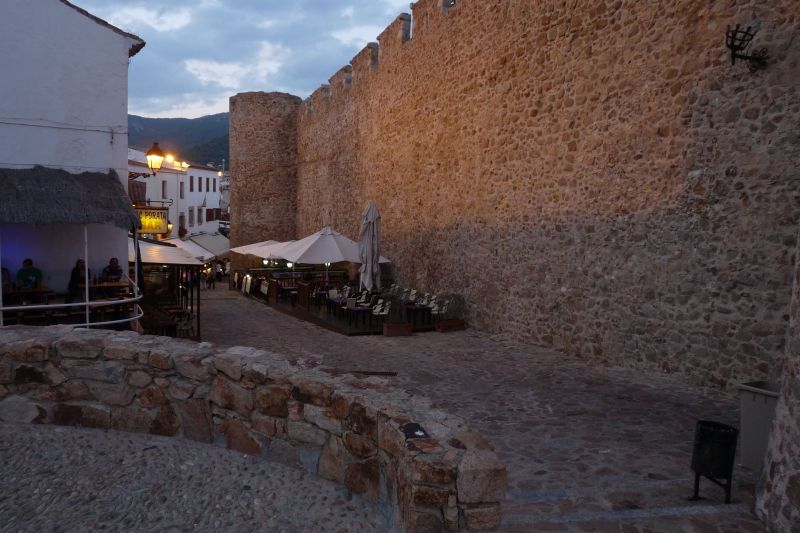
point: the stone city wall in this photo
(263, 148)
(423, 466)
(778, 501)
(594, 177)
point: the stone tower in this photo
(263, 146)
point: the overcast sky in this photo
(200, 52)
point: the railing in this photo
(88, 306)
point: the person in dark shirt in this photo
(28, 277)
(76, 279)
(112, 272)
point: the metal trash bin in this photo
(757, 404)
(713, 455)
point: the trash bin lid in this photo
(766, 388)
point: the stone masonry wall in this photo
(423, 466)
(263, 148)
(778, 501)
(592, 175)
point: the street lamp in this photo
(155, 157)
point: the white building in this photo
(63, 112)
(191, 192)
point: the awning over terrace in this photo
(192, 248)
(42, 196)
(214, 242)
(161, 254)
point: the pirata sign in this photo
(154, 219)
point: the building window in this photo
(181, 193)
(191, 183)
(163, 189)
(182, 221)
(210, 215)
(199, 216)
(207, 184)
(215, 184)
(191, 216)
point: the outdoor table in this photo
(37, 295)
(418, 310)
(353, 314)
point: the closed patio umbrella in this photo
(368, 248)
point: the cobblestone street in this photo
(587, 449)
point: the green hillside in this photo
(201, 140)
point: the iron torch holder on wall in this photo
(738, 40)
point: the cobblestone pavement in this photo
(61, 479)
(587, 449)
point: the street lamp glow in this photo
(170, 158)
(155, 157)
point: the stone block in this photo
(390, 438)
(428, 496)
(434, 470)
(334, 460)
(312, 390)
(427, 521)
(160, 358)
(482, 517)
(306, 433)
(340, 405)
(195, 419)
(165, 423)
(131, 419)
(362, 421)
(80, 344)
(29, 374)
(180, 390)
(28, 351)
(269, 426)
(112, 393)
(285, 452)
(192, 367)
(105, 371)
(360, 446)
(20, 410)
(5, 372)
(151, 397)
(90, 416)
(75, 390)
(316, 415)
(481, 478)
(272, 400)
(54, 375)
(363, 478)
(124, 350)
(137, 378)
(230, 396)
(238, 437)
(229, 364)
(295, 409)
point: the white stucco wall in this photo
(64, 89)
(63, 104)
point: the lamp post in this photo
(155, 158)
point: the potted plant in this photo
(396, 324)
(450, 312)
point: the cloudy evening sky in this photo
(200, 52)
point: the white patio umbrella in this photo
(325, 246)
(368, 248)
(246, 249)
(269, 251)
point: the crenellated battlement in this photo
(394, 36)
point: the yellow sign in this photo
(154, 219)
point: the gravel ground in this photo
(63, 479)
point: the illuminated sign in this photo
(154, 219)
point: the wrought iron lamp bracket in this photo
(738, 41)
(140, 175)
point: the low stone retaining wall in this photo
(423, 466)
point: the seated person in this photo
(28, 277)
(76, 279)
(112, 272)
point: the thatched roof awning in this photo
(41, 196)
